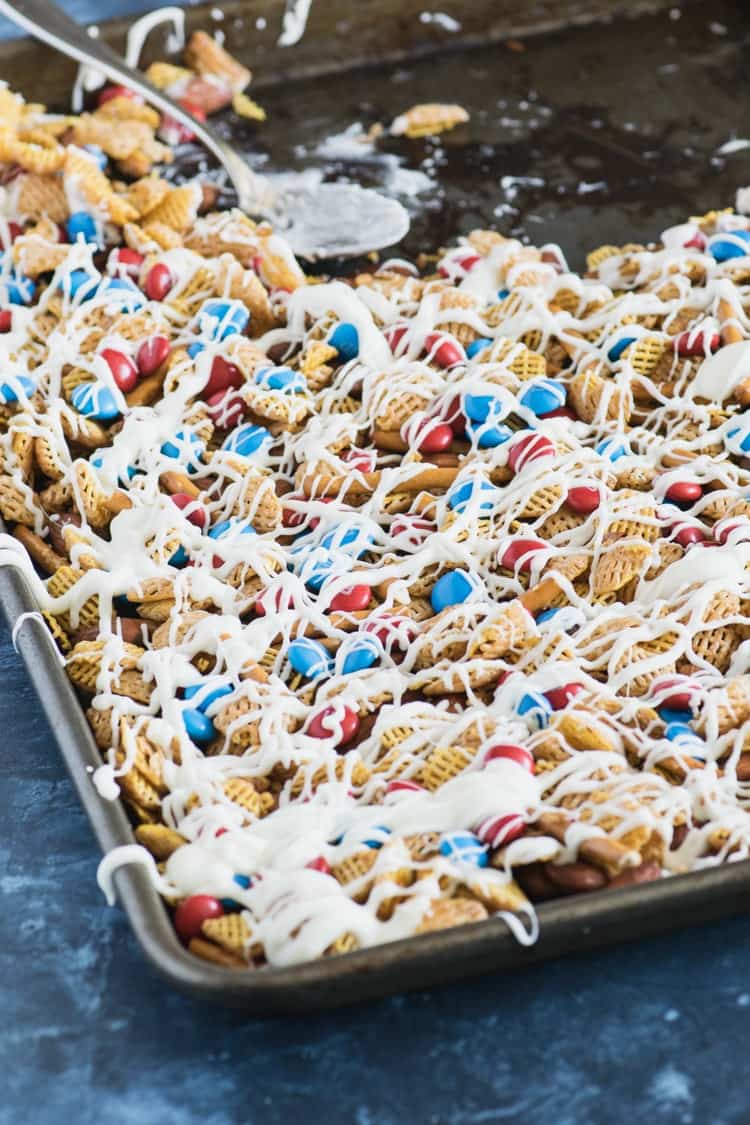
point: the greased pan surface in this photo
(677, 98)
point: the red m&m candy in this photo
(6, 320)
(560, 697)
(223, 374)
(124, 371)
(352, 599)
(443, 349)
(684, 492)
(226, 408)
(676, 693)
(151, 354)
(583, 500)
(110, 92)
(511, 753)
(697, 343)
(363, 460)
(519, 553)
(436, 439)
(341, 723)
(198, 515)
(124, 262)
(193, 912)
(159, 281)
(498, 831)
(403, 785)
(319, 864)
(530, 447)
(688, 534)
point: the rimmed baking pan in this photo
(535, 140)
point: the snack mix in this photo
(394, 602)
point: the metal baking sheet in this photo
(545, 118)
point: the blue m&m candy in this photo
(283, 379)
(123, 292)
(187, 448)
(462, 495)
(616, 349)
(351, 538)
(345, 339)
(542, 395)
(94, 400)
(82, 226)
(546, 615)
(195, 348)
(376, 837)
(16, 386)
(246, 439)
(315, 569)
(487, 435)
(730, 244)
(225, 527)
(361, 653)
(535, 708)
(481, 407)
(19, 288)
(308, 657)
(243, 881)
(464, 847)
(219, 319)
(80, 284)
(203, 694)
(737, 438)
(179, 558)
(452, 588)
(613, 448)
(99, 156)
(668, 715)
(477, 346)
(681, 733)
(502, 294)
(199, 726)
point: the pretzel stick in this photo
(147, 391)
(731, 333)
(314, 486)
(118, 502)
(390, 441)
(608, 854)
(173, 482)
(39, 550)
(540, 597)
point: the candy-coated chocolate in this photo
(82, 226)
(452, 588)
(535, 708)
(124, 371)
(353, 599)
(151, 354)
(246, 440)
(443, 349)
(560, 697)
(94, 400)
(337, 722)
(464, 847)
(159, 281)
(192, 912)
(308, 657)
(510, 752)
(583, 499)
(345, 339)
(499, 831)
(199, 727)
(528, 448)
(519, 554)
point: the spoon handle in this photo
(45, 21)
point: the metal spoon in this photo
(318, 221)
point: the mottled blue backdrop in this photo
(653, 1033)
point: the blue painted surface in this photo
(650, 1032)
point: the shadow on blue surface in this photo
(89, 1031)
